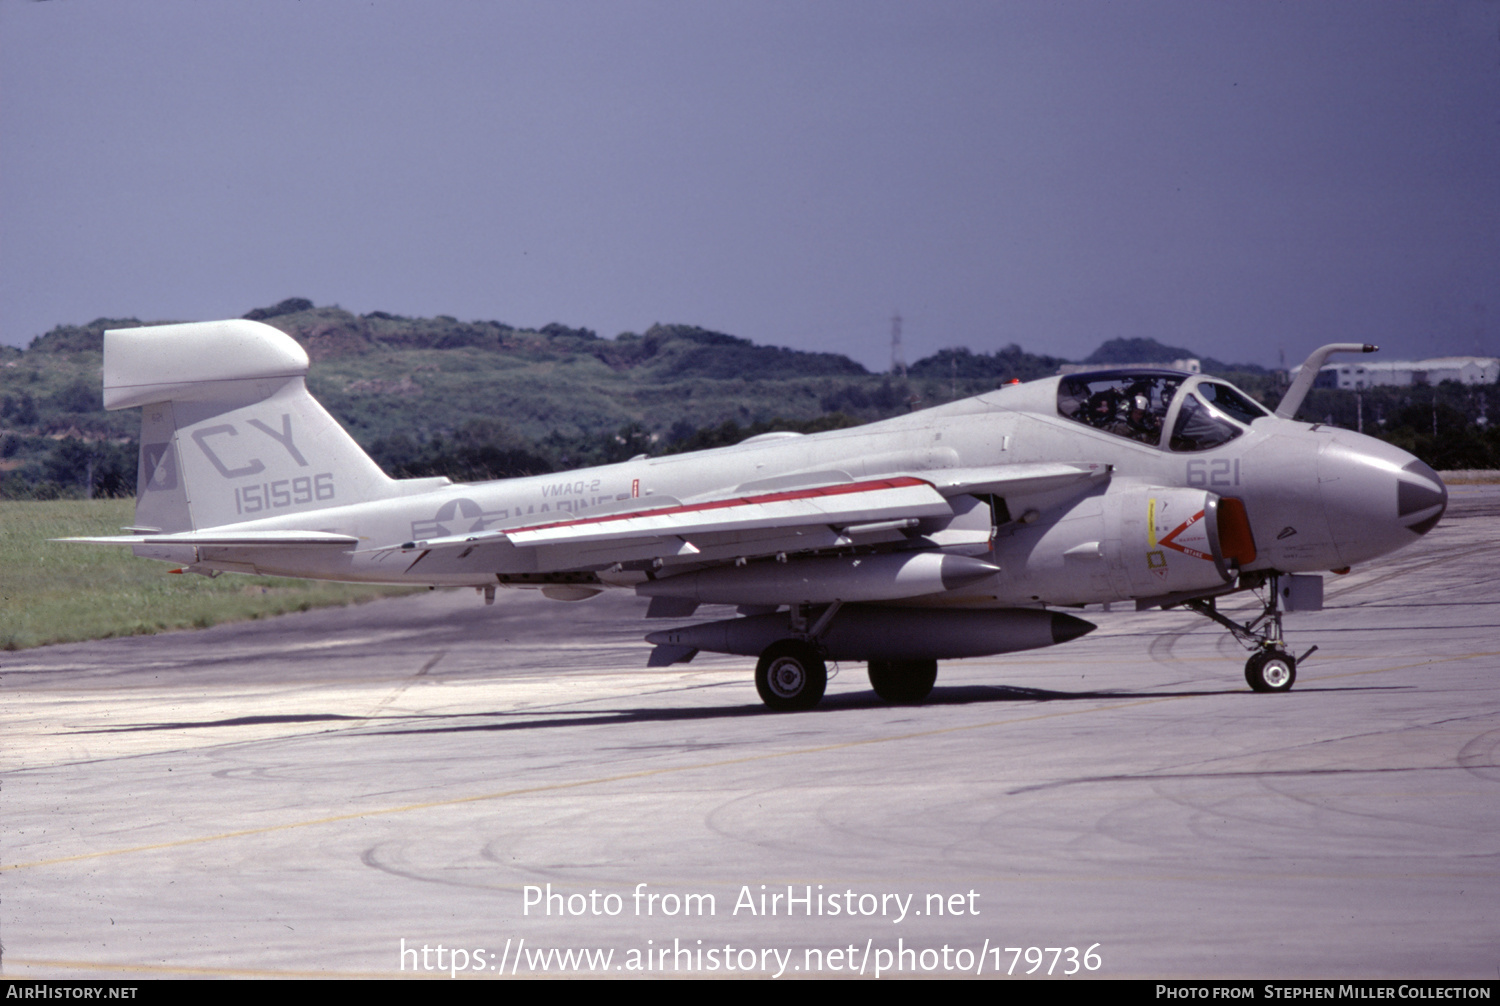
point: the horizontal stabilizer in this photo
(223, 539)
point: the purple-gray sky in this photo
(1233, 177)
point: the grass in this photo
(52, 592)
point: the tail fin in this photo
(229, 432)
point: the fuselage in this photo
(1312, 497)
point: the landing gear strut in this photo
(1270, 667)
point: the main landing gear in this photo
(1271, 668)
(903, 681)
(792, 675)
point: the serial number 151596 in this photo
(283, 493)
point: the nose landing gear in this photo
(1270, 667)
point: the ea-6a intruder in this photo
(956, 531)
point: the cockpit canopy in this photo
(1140, 405)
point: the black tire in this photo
(791, 676)
(903, 681)
(1271, 671)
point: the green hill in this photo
(475, 399)
(485, 399)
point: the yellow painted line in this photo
(576, 784)
(1151, 522)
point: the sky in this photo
(1244, 179)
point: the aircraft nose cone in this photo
(1378, 498)
(1421, 498)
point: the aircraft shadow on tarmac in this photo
(955, 696)
(237, 721)
(960, 695)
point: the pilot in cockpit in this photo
(1141, 422)
(1102, 409)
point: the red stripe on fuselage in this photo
(904, 482)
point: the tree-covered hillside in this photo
(485, 399)
(472, 399)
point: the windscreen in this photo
(1231, 402)
(1199, 427)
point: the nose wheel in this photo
(1271, 670)
(1270, 667)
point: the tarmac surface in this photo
(296, 797)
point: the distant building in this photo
(1404, 373)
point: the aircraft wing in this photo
(737, 524)
(826, 515)
(841, 504)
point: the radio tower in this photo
(898, 361)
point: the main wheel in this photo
(903, 680)
(790, 676)
(1271, 671)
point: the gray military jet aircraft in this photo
(953, 532)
